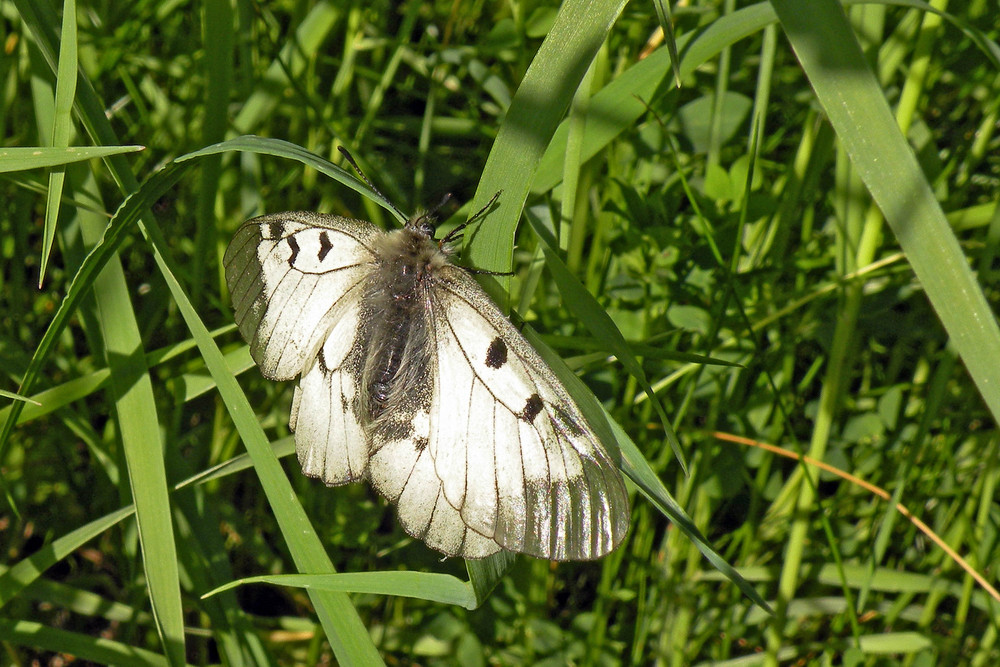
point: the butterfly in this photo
(410, 377)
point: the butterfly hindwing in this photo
(329, 439)
(404, 472)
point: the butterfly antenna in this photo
(457, 232)
(433, 212)
(350, 158)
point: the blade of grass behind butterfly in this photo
(62, 128)
(541, 100)
(281, 148)
(486, 573)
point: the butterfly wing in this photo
(296, 281)
(404, 472)
(514, 455)
(485, 451)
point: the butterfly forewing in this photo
(413, 378)
(286, 272)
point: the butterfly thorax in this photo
(396, 376)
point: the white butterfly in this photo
(411, 377)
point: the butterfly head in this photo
(424, 224)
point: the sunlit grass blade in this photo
(859, 113)
(285, 149)
(21, 158)
(62, 126)
(538, 106)
(431, 586)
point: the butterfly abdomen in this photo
(395, 381)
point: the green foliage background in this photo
(797, 245)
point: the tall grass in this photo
(794, 247)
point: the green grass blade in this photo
(20, 158)
(431, 586)
(132, 392)
(62, 127)
(340, 620)
(281, 148)
(539, 105)
(94, 649)
(485, 574)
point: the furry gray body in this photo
(396, 319)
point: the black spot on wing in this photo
(420, 444)
(275, 230)
(496, 354)
(294, 245)
(532, 407)
(324, 245)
